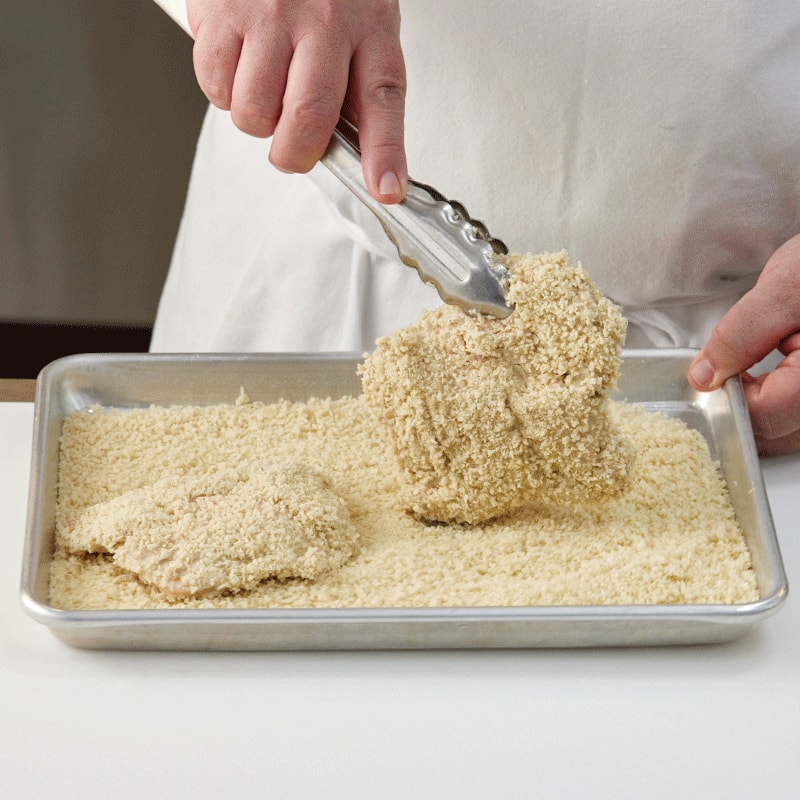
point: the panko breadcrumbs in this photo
(572, 499)
(488, 415)
(670, 537)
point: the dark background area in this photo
(99, 116)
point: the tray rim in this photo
(724, 622)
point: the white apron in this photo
(658, 142)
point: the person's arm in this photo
(287, 68)
(765, 319)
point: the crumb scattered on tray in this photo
(670, 536)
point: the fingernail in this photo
(702, 373)
(389, 184)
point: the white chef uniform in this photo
(658, 142)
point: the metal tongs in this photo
(436, 236)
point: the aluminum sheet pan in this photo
(654, 379)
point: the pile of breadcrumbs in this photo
(543, 490)
(487, 415)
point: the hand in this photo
(766, 318)
(286, 69)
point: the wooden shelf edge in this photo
(17, 390)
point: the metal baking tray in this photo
(652, 378)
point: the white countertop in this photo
(691, 722)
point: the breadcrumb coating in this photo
(223, 531)
(486, 416)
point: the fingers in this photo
(778, 447)
(774, 403)
(750, 330)
(765, 319)
(315, 89)
(241, 56)
(756, 325)
(216, 55)
(259, 83)
(283, 69)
